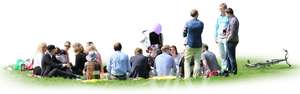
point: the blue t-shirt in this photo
(194, 29)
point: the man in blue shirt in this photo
(164, 63)
(118, 66)
(221, 25)
(194, 29)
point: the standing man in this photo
(232, 39)
(194, 28)
(118, 66)
(221, 25)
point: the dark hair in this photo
(89, 43)
(229, 11)
(205, 46)
(68, 42)
(117, 46)
(58, 51)
(50, 47)
(173, 46)
(194, 13)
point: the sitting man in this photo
(164, 63)
(53, 67)
(118, 66)
(140, 65)
(209, 61)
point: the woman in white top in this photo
(177, 58)
(37, 60)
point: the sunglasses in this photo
(67, 46)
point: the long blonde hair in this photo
(41, 47)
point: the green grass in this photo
(243, 74)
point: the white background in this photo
(266, 26)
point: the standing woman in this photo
(80, 58)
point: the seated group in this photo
(160, 61)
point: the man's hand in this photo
(64, 65)
(67, 65)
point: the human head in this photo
(89, 43)
(78, 48)
(165, 48)
(222, 8)
(42, 47)
(91, 48)
(229, 12)
(51, 49)
(57, 51)
(138, 51)
(117, 46)
(204, 47)
(67, 45)
(194, 13)
(173, 50)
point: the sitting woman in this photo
(37, 60)
(80, 58)
(93, 66)
(62, 59)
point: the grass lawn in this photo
(244, 74)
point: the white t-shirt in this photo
(37, 60)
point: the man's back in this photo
(140, 66)
(118, 64)
(211, 60)
(164, 64)
(194, 29)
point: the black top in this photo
(156, 38)
(79, 63)
(49, 63)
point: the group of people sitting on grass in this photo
(51, 61)
(161, 60)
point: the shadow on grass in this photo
(243, 74)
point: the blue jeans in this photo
(231, 57)
(222, 49)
